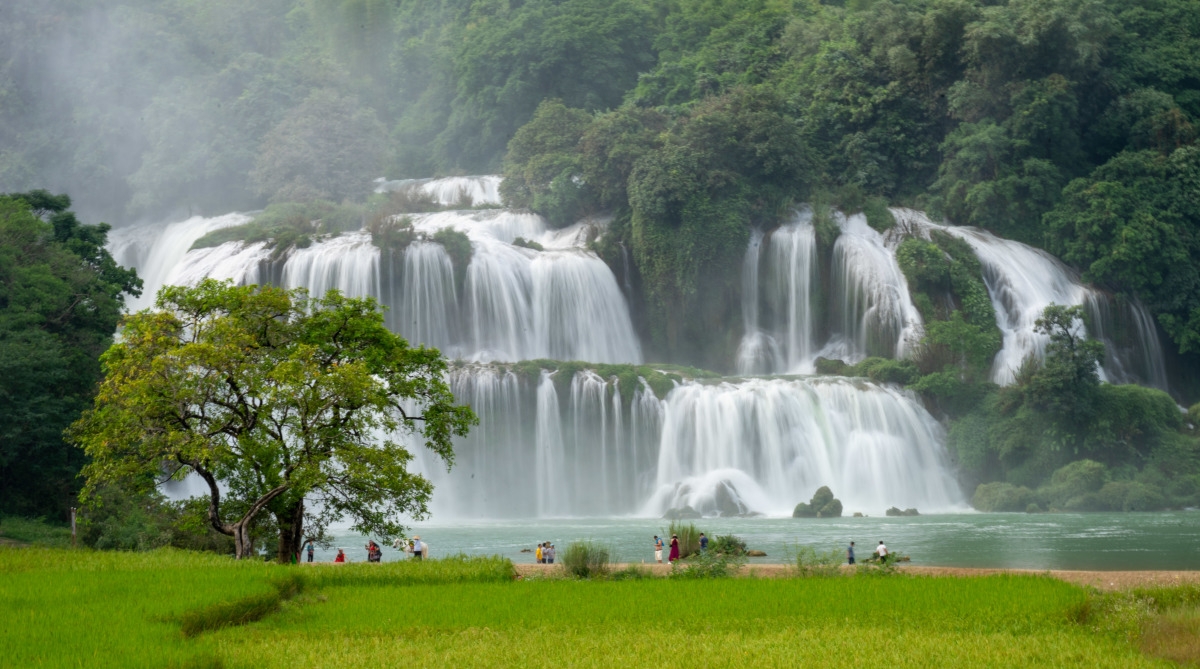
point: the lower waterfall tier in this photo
(578, 446)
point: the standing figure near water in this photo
(674, 548)
(418, 548)
(850, 554)
(658, 546)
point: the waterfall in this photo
(792, 277)
(763, 445)
(347, 262)
(872, 310)
(428, 301)
(577, 447)
(757, 353)
(1022, 281)
(479, 190)
(158, 251)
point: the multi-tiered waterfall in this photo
(560, 440)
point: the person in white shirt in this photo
(881, 551)
(658, 546)
(418, 548)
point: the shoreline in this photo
(1101, 580)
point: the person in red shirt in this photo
(341, 557)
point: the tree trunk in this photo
(291, 532)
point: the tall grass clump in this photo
(728, 545)
(689, 538)
(811, 562)
(585, 559)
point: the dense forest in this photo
(1064, 124)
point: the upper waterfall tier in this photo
(514, 303)
(453, 191)
(552, 446)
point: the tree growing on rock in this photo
(822, 505)
(273, 399)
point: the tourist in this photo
(549, 554)
(374, 552)
(881, 551)
(310, 550)
(703, 542)
(850, 554)
(341, 556)
(658, 546)
(539, 555)
(418, 548)
(674, 549)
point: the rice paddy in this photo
(62, 609)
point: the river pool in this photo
(1093, 541)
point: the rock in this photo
(755, 554)
(906, 512)
(727, 502)
(858, 514)
(822, 505)
(683, 513)
(526, 550)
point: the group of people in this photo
(880, 553)
(544, 553)
(417, 548)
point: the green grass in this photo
(34, 531)
(64, 608)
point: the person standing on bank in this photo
(674, 549)
(658, 546)
(850, 554)
(703, 542)
(418, 548)
(882, 552)
(549, 553)
(309, 546)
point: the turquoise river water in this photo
(1094, 541)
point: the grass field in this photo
(62, 609)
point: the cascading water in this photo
(476, 190)
(871, 310)
(754, 446)
(1022, 281)
(158, 252)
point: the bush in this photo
(1075, 479)
(585, 559)
(728, 545)
(707, 565)
(811, 562)
(458, 247)
(1002, 496)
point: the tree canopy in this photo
(304, 408)
(61, 296)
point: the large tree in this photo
(61, 295)
(273, 399)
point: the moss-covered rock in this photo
(822, 505)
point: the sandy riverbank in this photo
(1104, 580)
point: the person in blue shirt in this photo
(703, 542)
(850, 554)
(310, 550)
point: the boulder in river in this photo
(822, 505)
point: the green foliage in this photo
(1132, 224)
(811, 562)
(707, 564)
(327, 148)
(241, 611)
(822, 505)
(288, 224)
(542, 168)
(61, 297)
(1001, 496)
(585, 559)
(881, 370)
(458, 247)
(528, 244)
(269, 397)
(35, 531)
(728, 544)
